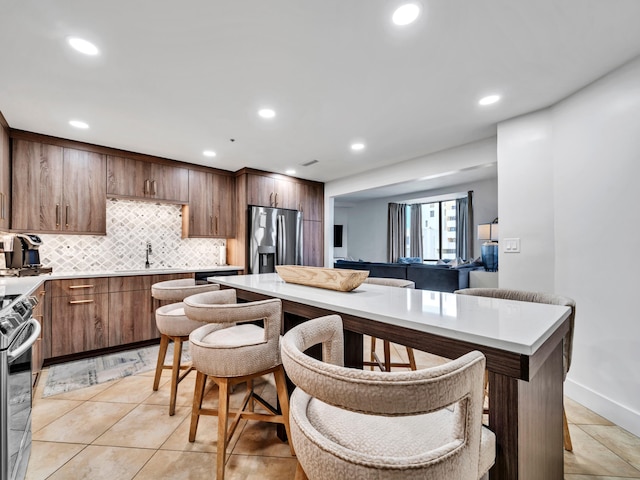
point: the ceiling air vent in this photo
(308, 164)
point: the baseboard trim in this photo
(613, 411)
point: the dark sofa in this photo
(441, 278)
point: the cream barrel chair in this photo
(231, 352)
(537, 297)
(385, 364)
(174, 326)
(349, 423)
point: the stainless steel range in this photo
(18, 332)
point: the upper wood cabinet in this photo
(211, 205)
(146, 180)
(5, 179)
(58, 189)
(311, 201)
(272, 192)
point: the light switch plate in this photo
(511, 245)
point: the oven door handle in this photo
(26, 345)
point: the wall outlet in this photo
(511, 245)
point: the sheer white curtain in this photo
(396, 225)
(415, 242)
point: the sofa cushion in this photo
(409, 260)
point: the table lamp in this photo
(489, 249)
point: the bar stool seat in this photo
(175, 326)
(230, 352)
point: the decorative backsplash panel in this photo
(130, 225)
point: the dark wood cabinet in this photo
(92, 313)
(211, 205)
(311, 201)
(56, 189)
(130, 309)
(146, 180)
(312, 241)
(266, 191)
(5, 178)
(79, 315)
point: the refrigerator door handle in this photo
(282, 240)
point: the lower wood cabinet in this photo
(129, 310)
(93, 313)
(79, 315)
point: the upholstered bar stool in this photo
(174, 326)
(230, 352)
(536, 297)
(385, 364)
(348, 423)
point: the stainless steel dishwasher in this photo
(18, 332)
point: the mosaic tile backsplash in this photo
(130, 225)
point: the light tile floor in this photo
(121, 430)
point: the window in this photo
(439, 232)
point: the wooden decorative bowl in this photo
(339, 279)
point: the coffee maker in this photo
(21, 255)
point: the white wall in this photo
(368, 219)
(525, 190)
(579, 162)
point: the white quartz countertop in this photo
(141, 271)
(27, 285)
(519, 327)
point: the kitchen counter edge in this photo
(28, 285)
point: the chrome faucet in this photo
(148, 251)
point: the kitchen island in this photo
(521, 341)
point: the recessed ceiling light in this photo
(357, 147)
(406, 14)
(488, 100)
(83, 46)
(266, 113)
(209, 153)
(291, 171)
(78, 124)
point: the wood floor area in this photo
(121, 430)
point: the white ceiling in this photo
(176, 78)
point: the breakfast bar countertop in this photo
(518, 327)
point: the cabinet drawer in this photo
(79, 323)
(126, 284)
(79, 286)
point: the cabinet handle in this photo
(1, 205)
(74, 302)
(57, 214)
(80, 286)
(153, 187)
(276, 200)
(216, 225)
(271, 199)
(146, 186)
(66, 216)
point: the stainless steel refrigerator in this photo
(275, 238)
